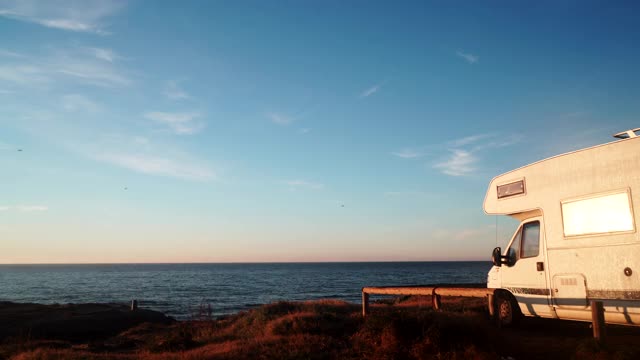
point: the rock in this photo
(72, 321)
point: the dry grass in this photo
(404, 328)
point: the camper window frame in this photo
(626, 190)
(512, 181)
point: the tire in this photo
(507, 312)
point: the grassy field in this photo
(402, 328)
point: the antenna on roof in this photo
(626, 134)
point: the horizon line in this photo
(245, 262)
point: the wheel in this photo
(507, 311)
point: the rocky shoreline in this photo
(75, 322)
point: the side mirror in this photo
(496, 256)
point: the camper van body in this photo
(577, 240)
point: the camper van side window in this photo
(531, 239)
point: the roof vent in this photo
(627, 134)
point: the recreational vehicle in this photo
(577, 240)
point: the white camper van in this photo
(577, 240)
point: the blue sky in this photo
(291, 131)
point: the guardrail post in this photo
(365, 304)
(491, 306)
(597, 318)
(436, 301)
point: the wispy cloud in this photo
(370, 91)
(468, 57)
(104, 54)
(305, 130)
(464, 152)
(280, 119)
(470, 139)
(61, 66)
(79, 16)
(24, 75)
(174, 92)
(25, 208)
(142, 155)
(407, 153)
(77, 102)
(32, 208)
(181, 123)
(461, 162)
(89, 72)
(303, 184)
(153, 165)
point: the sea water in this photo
(181, 290)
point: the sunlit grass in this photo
(398, 328)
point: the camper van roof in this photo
(562, 176)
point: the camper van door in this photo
(525, 271)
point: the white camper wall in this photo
(602, 169)
(602, 176)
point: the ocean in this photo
(179, 290)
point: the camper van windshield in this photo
(526, 242)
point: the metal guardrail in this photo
(429, 290)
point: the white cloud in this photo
(407, 153)
(174, 92)
(280, 119)
(4, 208)
(104, 54)
(77, 102)
(460, 163)
(464, 152)
(90, 72)
(303, 184)
(370, 91)
(153, 165)
(32, 208)
(470, 139)
(60, 66)
(181, 123)
(470, 58)
(75, 15)
(24, 75)
(305, 130)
